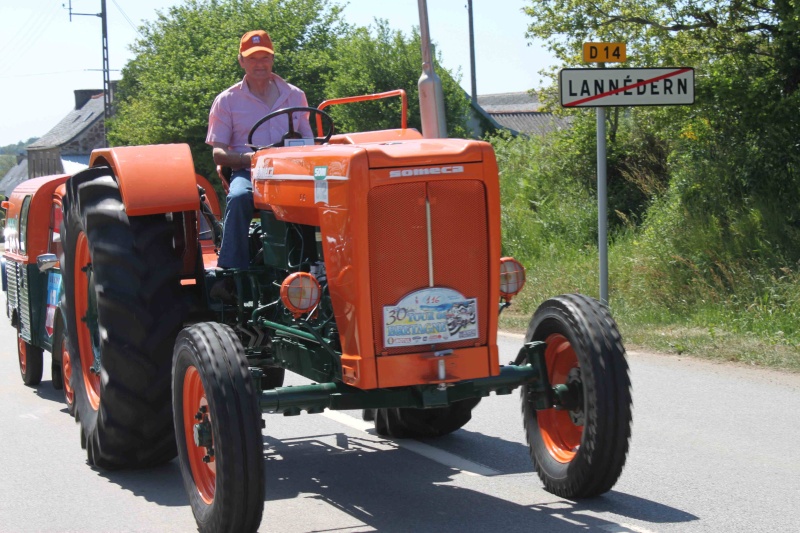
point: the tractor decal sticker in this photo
(53, 285)
(263, 169)
(428, 316)
(321, 192)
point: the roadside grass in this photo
(682, 278)
(756, 334)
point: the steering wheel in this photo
(291, 134)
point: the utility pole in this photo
(472, 55)
(106, 68)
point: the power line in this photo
(125, 16)
(34, 74)
(28, 33)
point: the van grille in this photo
(18, 295)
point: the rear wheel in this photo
(218, 428)
(30, 361)
(407, 422)
(579, 449)
(123, 312)
(64, 369)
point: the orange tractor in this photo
(376, 273)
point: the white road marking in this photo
(624, 528)
(420, 448)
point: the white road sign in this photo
(604, 87)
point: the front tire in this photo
(31, 361)
(64, 369)
(123, 312)
(580, 452)
(218, 428)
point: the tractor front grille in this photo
(399, 244)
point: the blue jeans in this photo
(235, 250)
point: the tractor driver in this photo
(233, 113)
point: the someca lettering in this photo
(430, 171)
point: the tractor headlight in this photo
(512, 277)
(300, 293)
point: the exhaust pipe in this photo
(431, 97)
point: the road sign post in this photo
(601, 88)
(602, 204)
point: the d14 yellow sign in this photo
(604, 52)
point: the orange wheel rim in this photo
(194, 400)
(66, 373)
(86, 346)
(560, 434)
(22, 352)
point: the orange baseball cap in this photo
(255, 41)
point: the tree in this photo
(14, 149)
(382, 60)
(683, 30)
(7, 162)
(188, 55)
(731, 161)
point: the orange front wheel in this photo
(60, 343)
(218, 429)
(30, 361)
(562, 430)
(579, 444)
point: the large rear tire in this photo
(218, 428)
(123, 312)
(31, 361)
(580, 453)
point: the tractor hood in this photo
(422, 152)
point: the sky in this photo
(44, 56)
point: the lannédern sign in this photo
(626, 86)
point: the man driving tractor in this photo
(233, 113)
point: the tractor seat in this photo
(224, 174)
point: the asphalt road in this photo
(714, 449)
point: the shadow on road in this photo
(46, 391)
(386, 487)
(391, 489)
(161, 485)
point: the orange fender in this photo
(152, 179)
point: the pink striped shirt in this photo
(236, 109)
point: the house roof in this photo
(531, 123)
(16, 175)
(72, 125)
(520, 102)
(519, 113)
